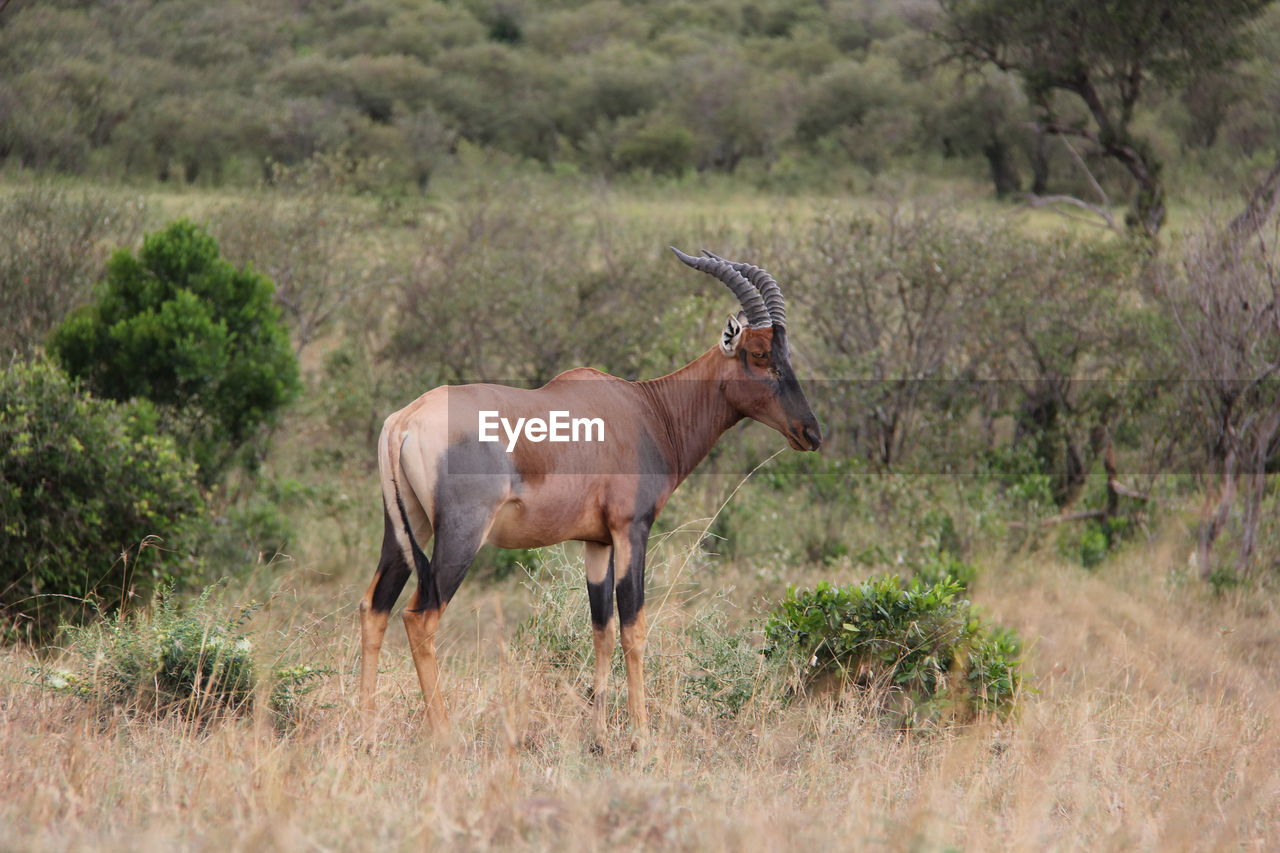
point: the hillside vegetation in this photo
(786, 94)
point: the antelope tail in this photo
(389, 463)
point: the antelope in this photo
(439, 479)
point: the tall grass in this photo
(1153, 727)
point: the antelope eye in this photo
(758, 354)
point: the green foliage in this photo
(84, 484)
(656, 144)
(1019, 474)
(181, 327)
(918, 642)
(558, 628)
(193, 664)
(172, 660)
(725, 670)
(1095, 539)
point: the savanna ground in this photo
(1147, 721)
(1146, 717)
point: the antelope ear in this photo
(732, 334)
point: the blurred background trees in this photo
(783, 92)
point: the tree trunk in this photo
(1214, 519)
(1003, 172)
(1039, 163)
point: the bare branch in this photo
(1262, 203)
(1050, 200)
(1088, 173)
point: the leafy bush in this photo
(656, 144)
(181, 327)
(919, 643)
(82, 481)
(1095, 538)
(196, 664)
(163, 662)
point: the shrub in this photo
(657, 144)
(82, 481)
(919, 643)
(164, 661)
(181, 327)
(725, 670)
(1095, 539)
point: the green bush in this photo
(656, 144)
(82, 481)
(919, 643)
(181, 327)
(165, 661)
(1095, 538)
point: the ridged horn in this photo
(769, 290)
(749, 297)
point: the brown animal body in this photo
(441, 480)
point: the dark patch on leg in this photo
(393, 571)
(601, 597)
(630, 589)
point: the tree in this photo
(1105, 56)
(1224, 302)
(180, 326)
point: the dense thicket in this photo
(786, 90)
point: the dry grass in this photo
(1152, 728)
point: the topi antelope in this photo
(442, 476)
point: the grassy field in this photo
(1148, 722)
(1147, 718)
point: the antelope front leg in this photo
(629, 557)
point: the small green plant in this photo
(559, 627)
(169, 660)
(918, 642)
(1095, 539)
(725, 669)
